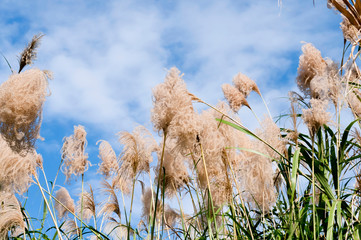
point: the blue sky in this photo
(106, 56)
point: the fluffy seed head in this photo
(21, 99)
(271, 133)
(245, 85)
(168, 98)
(135, 157)
(109, 162)
(10, 214)
(89, 205)
(75, 160)
(112, 205)
(70, 228)
(174, 176)
(316, 116)
(235, 98)
(350, 32)
(16, 170)
(63, 196)
(148, 201)
(257, 179)
(311, 64)
(354, 101)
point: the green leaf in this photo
(295, 165)
(331, 221)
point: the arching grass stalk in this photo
(239, 126)
(47, 205)
(265, 104)
(158, 185)
(209, 194)
(255, 115)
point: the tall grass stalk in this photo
(158, 184)
(47, 205)
(131, 208)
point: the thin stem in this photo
(81, 206)
(264, 102)
(158, 185)
(47, 205)
(131, 208)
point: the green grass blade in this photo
(331, 221)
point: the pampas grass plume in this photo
(29, 53)
(135, 157)
(168, 98)
(21, 99)
(235, 98)
(10, 214)
(109, 162)
(311, 64)
(73, 153)
(245, 85)
(63, 196)
(16, 170)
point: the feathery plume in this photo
(73, 153)
(10, 214)
(327, 85)
(16, 170)
(350, 32)
(354, 101)
(184, 128)
(29, 53)
(245, 85)
(70, 229)
(168, 99)
(175, 175)
(63, 197)
(171, 217)
(235, 98)
(311, 64)
(316, 116)
(257, 177)
(21, 99)
(271, 133)
(214, 145)
(89, 205)
(109, 162)
(112, 205)
(135, 157)
(148, 202)
(117, 230)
